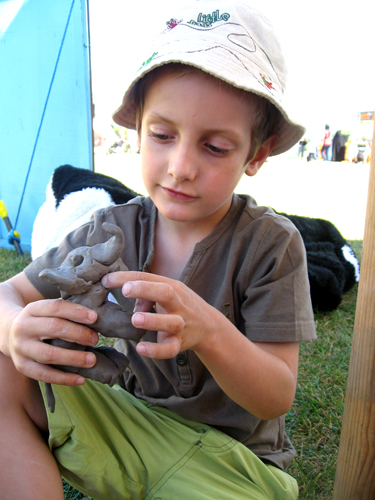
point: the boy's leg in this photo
(27, 467)
(111, 445)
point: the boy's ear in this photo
(261, 156)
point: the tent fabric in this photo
(31, 44)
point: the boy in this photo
(222, 295)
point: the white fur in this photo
(350, 257)
(52, 224)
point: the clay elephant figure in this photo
(78, 279)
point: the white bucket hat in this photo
(229, 40)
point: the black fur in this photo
(67, 179)
(330, 274)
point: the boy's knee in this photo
(19, 393)
(10, 379)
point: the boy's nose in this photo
(183, 163)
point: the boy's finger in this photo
(51, 355)
(117, 279)
(162, 293)
(168, 349)
(143, 305)
(50, 375)
(170, 323)
(63, 309)
(52, 328)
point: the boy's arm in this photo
(260, 377)
(28, 319)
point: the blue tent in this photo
(45, 102)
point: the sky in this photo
(329, 49)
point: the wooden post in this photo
(355, 474)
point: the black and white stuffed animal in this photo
(332, 265)
(73, 194)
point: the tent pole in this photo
(355, 473)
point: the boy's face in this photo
(195, 139)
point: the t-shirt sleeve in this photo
(277, 303)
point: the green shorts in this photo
(110, 445)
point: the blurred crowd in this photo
(341, 146)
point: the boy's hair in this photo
(235, 44)
(265, 119)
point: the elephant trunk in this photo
(107, 253)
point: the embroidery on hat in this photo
(148, 60)
(172, 23)
(267, 83)
(236, 41)
(207, 20)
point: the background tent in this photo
(45, 102)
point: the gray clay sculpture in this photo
(79, 281)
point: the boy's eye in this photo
(160, 137)
(216, 150)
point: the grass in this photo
(314, 422)
(11, 264)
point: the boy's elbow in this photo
(274, 411)
(277, 406)
(279, 411)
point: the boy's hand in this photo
(48, 319)
(183, 320)
(260, 377)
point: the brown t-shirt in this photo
(252, 268)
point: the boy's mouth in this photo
(178, 195)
